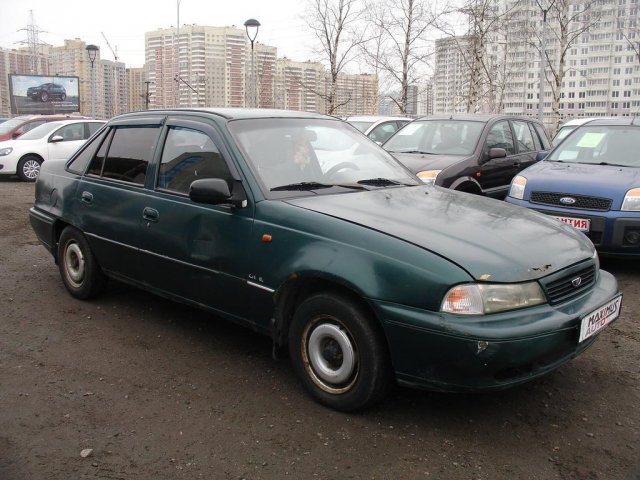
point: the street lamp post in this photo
(92, 51)
(252, 25)
(543, 46)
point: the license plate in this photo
(582, 224)
(595, 321)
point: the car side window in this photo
(523, 136)
(189, 155)
(94, 127)
(79, 164)
(72, 132)
(130, 152)
(383, 132)
(29, 126)
(500, 137)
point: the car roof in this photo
(628, 121)
(585, 120)
(231, 113)
(374, 118)
(477, 117)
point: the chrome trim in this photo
(262, 287)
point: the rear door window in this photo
(129, 154)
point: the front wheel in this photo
(29, 168)
(63, 97)
(44, 97)
(79, 269)
(339, 352)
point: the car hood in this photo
(490, 239)
(606, 181)
(418, 162)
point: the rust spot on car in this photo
(543, 268)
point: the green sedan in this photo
(299, 227)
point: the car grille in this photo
(561, 287)
(582, 201)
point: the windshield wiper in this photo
(612, 164)
(380, 182)
(411, 151)
(302, 186)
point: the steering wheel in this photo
(340, 166)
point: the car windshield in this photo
(562, 133)
(602, 145)
(40, 131)
(10, 124)
(437, 137)
(362, 126)
(315, 155)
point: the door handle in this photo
(150, 214)
(87, 197)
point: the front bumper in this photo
(456, 353)
(610, 231)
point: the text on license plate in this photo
(582, 224)
(600, 318)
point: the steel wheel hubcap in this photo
(74, 264)
(331, 356)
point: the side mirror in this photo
(541, 156)
(497, 153)
(56, 138)
(16, 135)
(215, 191)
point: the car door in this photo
(496, 173)
(65, 141)
(110, 197)
(192, 250)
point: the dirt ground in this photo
(160, 391)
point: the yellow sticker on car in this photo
(590, 140)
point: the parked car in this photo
(3, 119)
(570, 126)
(472, 153)
(378, 128)
(365, 277)
(53, 140)
(46, 92)
(16, 126)
(590, 181)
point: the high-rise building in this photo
(450, 78)
(72, 59)
(136, 88)
(299, 85)
(357, 94)
(116, 97)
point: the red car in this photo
(14, 127)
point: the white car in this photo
(50, 141)
(571, 125)
(377, 128)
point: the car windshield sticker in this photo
(590, 140)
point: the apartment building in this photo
(602, 71)
(72, 59)
(136, 88)
(114, 79)
(299, 85)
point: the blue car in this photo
(590, 181)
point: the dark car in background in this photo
(365, 273)
(590, 181)
(46, 92)
(471, 153)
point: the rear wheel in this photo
(81, 274)
(29, 168)
(339, 353)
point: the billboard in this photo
(43, 94)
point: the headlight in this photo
(518, 185)
(483, 298)
(428, 176)
(596, 259)
(631, 200)
(5, 151)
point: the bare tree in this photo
(401, 28)
(334, 24)
(570, 19)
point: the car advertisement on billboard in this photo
(43, 94)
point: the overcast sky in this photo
(124, 22)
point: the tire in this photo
(63, 97)
(44, 96)
(29, 168)
(79, 269)
(339, 353)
